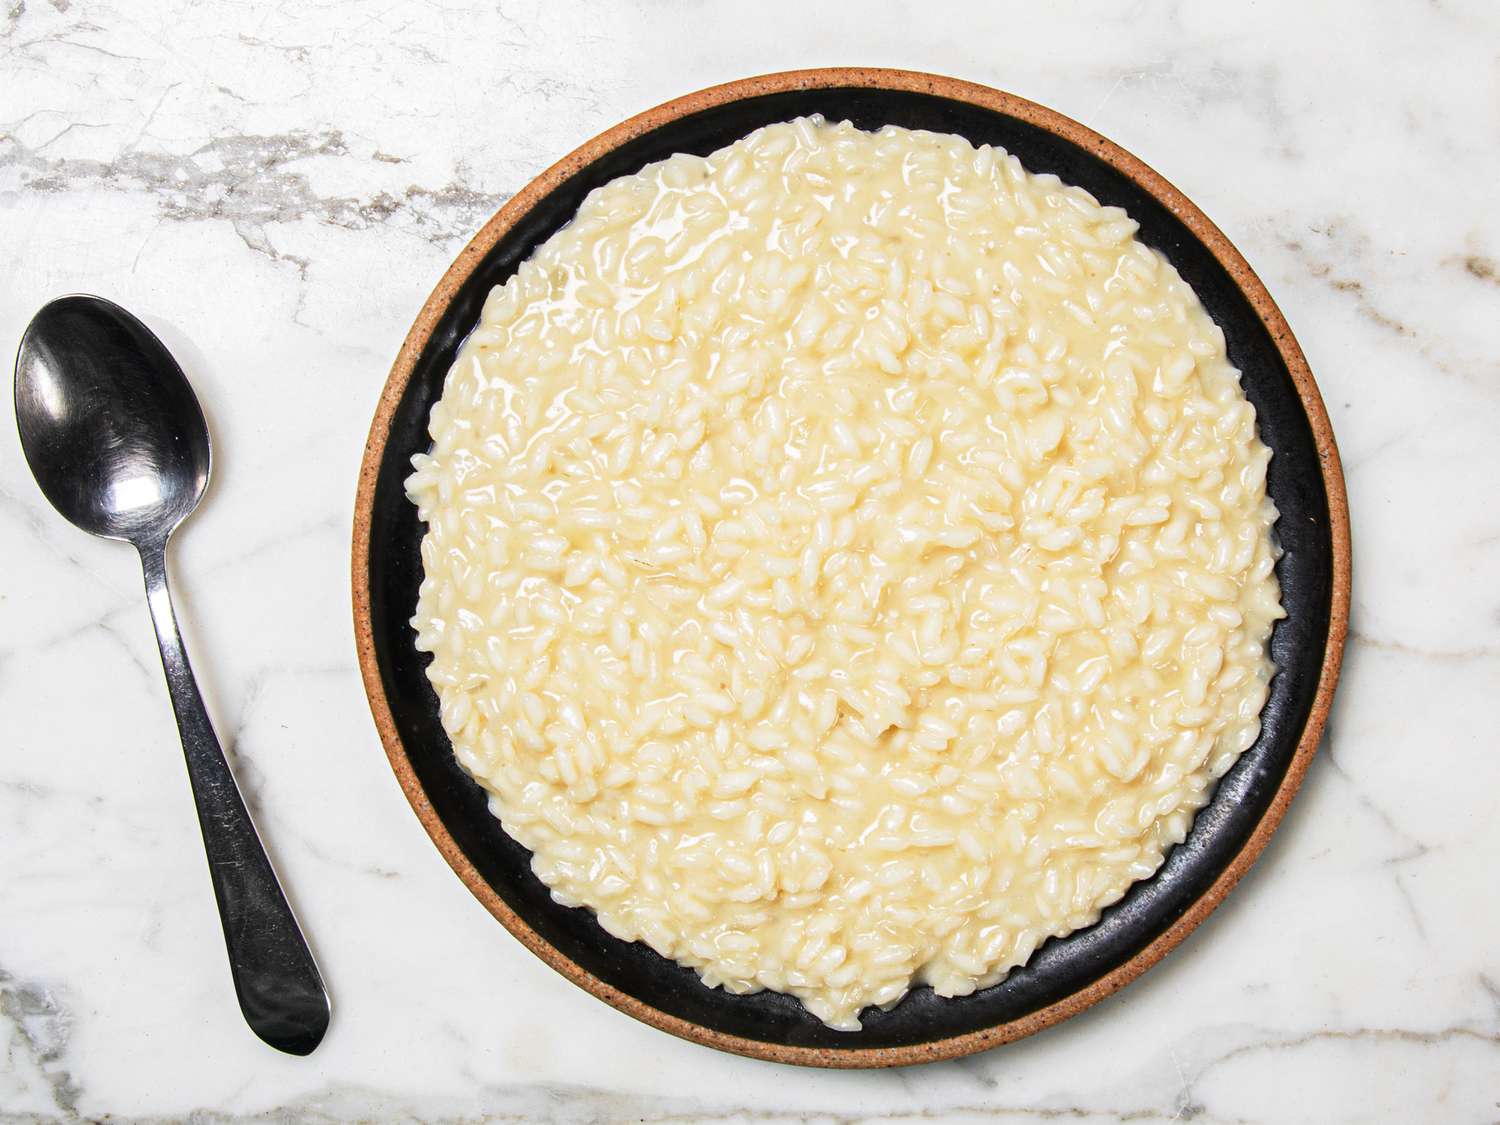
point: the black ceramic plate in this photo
(1065, 975)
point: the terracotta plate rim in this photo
(1011, 105)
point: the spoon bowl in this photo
(108, 421)
(118, 443)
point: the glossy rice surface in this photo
(848, 561)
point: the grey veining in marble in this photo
(277, 188)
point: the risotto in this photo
(848, 562)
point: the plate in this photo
(1065, 975)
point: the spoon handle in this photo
(275, 977)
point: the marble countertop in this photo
(276, 187)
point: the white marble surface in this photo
(276, 187)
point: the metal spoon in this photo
(115, 437)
